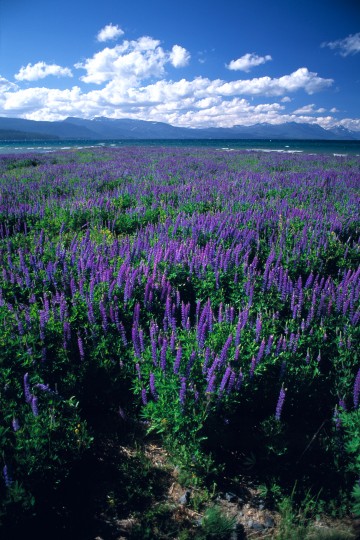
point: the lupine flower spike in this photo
(280, 403)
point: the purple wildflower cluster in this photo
(188, 270)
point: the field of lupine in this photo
(210, 297)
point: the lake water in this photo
(289, 146)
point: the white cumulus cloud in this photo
(310, 109)
(194, 103)
(109, 32)
(179, 57)
(132, 61)
(6, 86)
(182, 103)
(247, 62)
(301, 79)
(346, 46)
(40, 70)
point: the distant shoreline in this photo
(336, 148)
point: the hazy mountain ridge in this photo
(102, 128)
(15, 135)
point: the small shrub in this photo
(216, 524)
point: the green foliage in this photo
(349, 439)
(356, 498)
(295, 521)
(156, 522)
(215, 524)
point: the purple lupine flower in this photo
(67, 332)
(182, 392)
(278, 346)
(206, 360)
(34, 406)
(136, 315)
(103, 316)
(20, 328)
(154, 349)
(258, 327)
(211, 384)
(172, 341)
(177, 360)
(220, 316)
(231, 382)
(144, 396)
(137, 367)
(239, 380)
(128, 289)
(342, 404)
(168, 308)
(309, 281)
(356, 392)
(27, 388)
(153, 387)
(123, 334)
(91, 316)
(43, 387)
(210, 318)
(355, 318)
(223, 354)
(147, 291)
(141, 340)
(183, 314)
(238, 334)
(224, 380)
(252, 367)
(190, 363)
(163, 355)
(15, 424)
(291, 341)
(213, 368)
(81, 347)
(42, 320)
(261, 351)
(307, 358)
(280, 403)
(201, 334)
(136, 341)
(269, 345)
(7, 478)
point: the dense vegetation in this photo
(210, 296)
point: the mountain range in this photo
(102, 128)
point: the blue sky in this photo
(195, 63)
